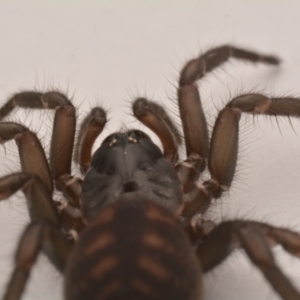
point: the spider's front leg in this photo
(32, 156)
(198, 196)
(35, 167)
(224, 142)
(63, 133)
(223, 152)
(189, 102)
(63, 129)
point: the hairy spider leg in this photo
(255, 238)
(38, 236)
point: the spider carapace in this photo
(135, 227)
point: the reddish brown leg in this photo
(90, 129)
(221, 163)
(223, 152)
(197, 197)
(260, 104)
(224, 142)
(70, 186)
(63, 129)
(256, 239)
(155, 118)
(191, 112)
(33, 161)
(41, 205)
(63, 133)
(32, 155)
(190, 108)
(38, 197)
(38, 236)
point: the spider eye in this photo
(109, 138)
(139, 134)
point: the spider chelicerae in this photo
(132, 227)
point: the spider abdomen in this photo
(133, 250)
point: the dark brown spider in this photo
(131, 228)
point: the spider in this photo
(133, 227)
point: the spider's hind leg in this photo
(223, 152)
(38, 236)
(255, 238)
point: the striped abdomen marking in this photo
(133, 250)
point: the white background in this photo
(112, 51)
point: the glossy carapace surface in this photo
(130, 166)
